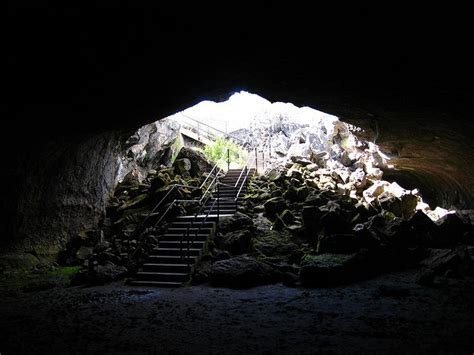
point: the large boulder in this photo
(451, 228)
(442, 260)
(236, 242)
(311, 216)
(103, 274)
(182, 166)
(199, 163)
(242, 272)
(332, 269)
(338, 244)
(274, 244)
(236, 222)
(274, 205)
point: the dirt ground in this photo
(390, 313)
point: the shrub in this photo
(217, 152)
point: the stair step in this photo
(192, 230)
(162, 276)
(172, 235)
(209, 225)
(184, 245)
(199, 218)
(181, 268)
(222, 205)
(156, 283)
(177, 252)
(171, 259)
(226, 211)
(201, 238)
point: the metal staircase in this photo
(172, 262)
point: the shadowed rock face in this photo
(75, 92)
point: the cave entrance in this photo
(314, 147)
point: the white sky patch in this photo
(243, 107)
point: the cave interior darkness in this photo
(81, 80)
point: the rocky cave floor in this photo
(389, 313)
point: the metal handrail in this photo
(210, 185)
(208, 175)
(203, 205)
(163, 215)
(242, 185)
(246, 165)
(225, 134)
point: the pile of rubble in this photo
(322, 214)
(119, 245)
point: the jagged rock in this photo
(182, 166)
(274, 205)
(334, 223)
(375, 190)
(424, 226)
(134, 177)
(83, 253)
(138, 201)
(300, 160)
(290, 193)
(242, 272)
(278, 224)
(440, 260)
(302, 193)
(451, 227)
(107, 273)
(425, 277)
(287, 216)
(311, 216)
(332, 269)
(312, 167)
(161, 180)
(18, 261)
(237, 242)
(238, 221)
(299, 150)
(199, 163)
(338, 244)
(358, 178)
(202, 272)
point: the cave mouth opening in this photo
(284, 134)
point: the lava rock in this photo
(338, 244)
(242, 272)
(236, 242)
(440, 260)
(425, 277)
(103, 274)
(199, 163)
(182, 166)
(274, 205)
(332, 269)
(238, 221)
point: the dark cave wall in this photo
(58, 184)
(58, 187)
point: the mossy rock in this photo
(18, 261)
(136, 202)
(333, 269)
(275, 205)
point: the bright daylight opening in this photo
(313, 148)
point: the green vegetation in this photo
(217, 152)
(12, 282)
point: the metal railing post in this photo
(218, 203)
(256, 161)
(228, 159)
